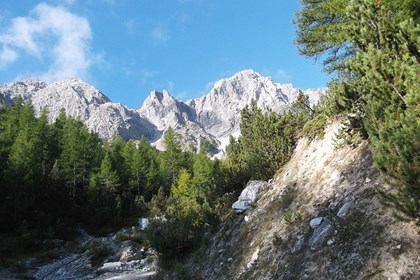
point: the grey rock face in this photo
(249, 195)
(320, 234)
(299, 245)
(315, 222)
(219, 111)
(344, 209)
(213, 117)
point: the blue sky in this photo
(127, 48)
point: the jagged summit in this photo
(212, 117)
(219, 111)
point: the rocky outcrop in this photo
(321, 219)
(249, 195)
(211, 118)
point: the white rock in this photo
(254, 257)
(315, 222)
(143, 223)
(249, 195)
(110, 266)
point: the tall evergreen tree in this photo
(203, 173)
(375, 46)
(79, 157)
(172, 156)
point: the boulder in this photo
(344, 209)
(240, 206)
(143, 223)
(315, 222)
(249, 195)
(299, 245)
(320, 234)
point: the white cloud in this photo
(53, 33)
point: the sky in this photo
(127, 48)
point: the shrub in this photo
(314, 128)
(133, 234)
(292, 218)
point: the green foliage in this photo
(108, 178)
(157, 205)
(173, 237)
(206, 146)
(291, 217)
(53, 174)
(321, 31)
(315, 127)
(266, 143)
(98, 251)
(187, 202)
(134, 234)
(375, 46)
(172, 157)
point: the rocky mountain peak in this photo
(79, 88)
(157, 98)
(212, 117)
(219, 111)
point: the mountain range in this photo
(212, 117)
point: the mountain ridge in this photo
(212, 117)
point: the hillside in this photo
(318, 218)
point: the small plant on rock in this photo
(292, 218)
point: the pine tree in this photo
(108, 177)
(377, 51)
(203, 173)
(139, 166)
(22, 164)
(172, 156)
(267, 141)
(115, 148)
(187, 202)
(46, 147)
(79, 157)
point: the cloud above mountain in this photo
(51, 34)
